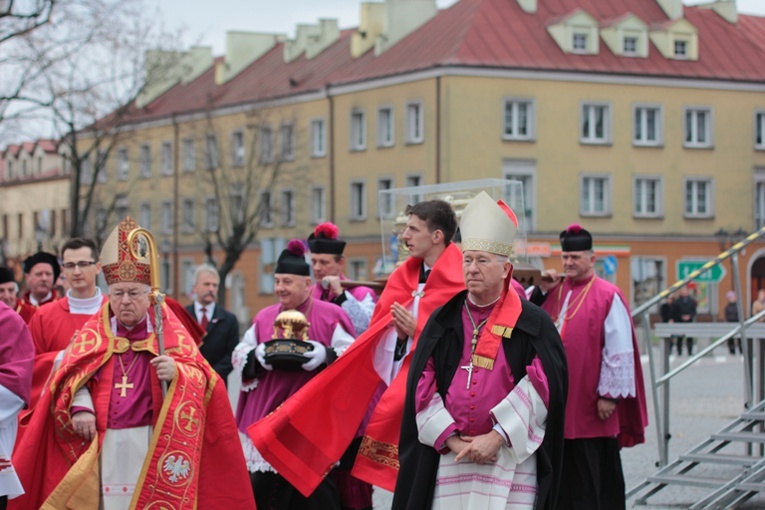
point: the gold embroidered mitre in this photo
(488, 226)
(119, 264)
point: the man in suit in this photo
(221, 325)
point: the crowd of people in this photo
(452, 388)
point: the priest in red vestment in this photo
(9, 290)
(606, 407)
(41, 271)
(16, 354)
(108, 437)
(289, 439)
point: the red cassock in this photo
(340, 395)
(25, 310)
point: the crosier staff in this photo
(156, 296)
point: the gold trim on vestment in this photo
(81, 486)
(382, 453)
(482, 362)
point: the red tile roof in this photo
(486, 34)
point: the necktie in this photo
(424, 276)
(204, 322)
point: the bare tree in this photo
(20, 18)
(243, 179)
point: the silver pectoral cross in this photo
(469, 370)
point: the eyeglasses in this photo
(132, 295)
(83, 264)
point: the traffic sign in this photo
(686, 267)
(609, 264)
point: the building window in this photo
(698, 128)
(648, 279)
(144, 215)
(287, 139)
(189, 155)
(211, 151)
(358, 270)
(166, 163)
(358, 131)
(698, 198)
(358, 201)
(86, 171)
(266, 209)
(386, 204)
(518, 119)
(523, 172)
(265, 144)
(236, 201)
(681, 49)
(101, 168)
(648, 197)
(759, 198)
(318, 138)
(759, 130)
(187, 276)
(318, 205)
(237, 148)
(579, 42)
(647, 124)
(415, 123)
(385, 136)
(270, 249)
(187, 216)
(630, 46)
(212, 214)
(596, 195)
(596, 123)
(414, 181)
(145, 161)
(166, 218)
(287, 203)
(123, 164)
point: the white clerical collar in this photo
(34, 300)
(149, 325)
(84, 306)
(482, 306)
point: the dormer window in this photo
(630, 46)
(579, 43)
(681, 49)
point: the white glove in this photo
(316, 357)
(260, 355)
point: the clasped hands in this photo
(479, 449)
(403, 320)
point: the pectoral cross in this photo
(124, 386)
(469, 370)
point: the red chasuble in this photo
(303, 453)
(195, 457)
(26, 310)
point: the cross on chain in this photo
(469, 370)
(124, 386)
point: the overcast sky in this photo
(206, 26)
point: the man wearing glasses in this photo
(55, 323)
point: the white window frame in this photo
(318, 205)
(414, 180)
(144, 215)
(587, 115)
(265, 144)
(694, 112)
(679, 43)
(188, 267)
(318, 138)
(187, 216)
(287, 141)
(630, 52)
(759, 198)
(587, 181)
(212, 162)
(101, 165)
(166, 217)
(189, 155)
(287, 207)
(514, 104)
(384, 127)
(385, 210)
(358, 269)
(640, 197)
(710, 197)
(144, 160)
(212, 214)
(759, 130)
(166, 158)
(266, 212)
(358, 130)
(415, 122)
(123, 164)
(525, 172)
(238, 150)
(642, 110)
(121, 206)
(357, 202)
(578, 35)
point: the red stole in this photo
(289, 439)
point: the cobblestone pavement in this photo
(704, 398)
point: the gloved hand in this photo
(316, 357)
(260, 355)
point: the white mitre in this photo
(486, 225)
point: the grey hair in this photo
(205, 268)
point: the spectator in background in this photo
(759, 304)
(731, 315)
(684, 311)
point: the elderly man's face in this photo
(8, 293)
(40, 280)
(578, 265)
(129, 302)
(484, 274)
(291, 290)
(206, 288)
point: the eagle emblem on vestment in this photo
(176, 468)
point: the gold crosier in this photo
(156, 296)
